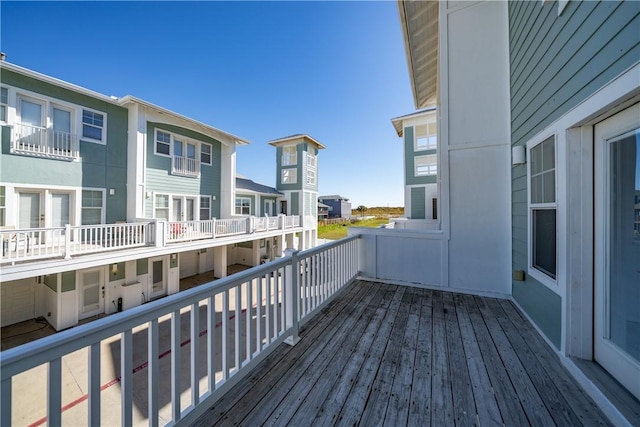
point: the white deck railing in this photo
(19, 245)
(185, 166)
(39, 141)
(233, 323)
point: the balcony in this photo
(298, 341)
(185, 166)
(35, 244)
(38, 141)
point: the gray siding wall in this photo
(418, 197)
(409, 156)
(556, 62)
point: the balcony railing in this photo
(43, 142)
(185, 166)
(255, 310)
(65, 242)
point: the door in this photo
(269, 207)
(31, 128)
(617, 247)
(91, 292)
(158, 277)
(177, 209)
(60, 209)
(30, 213)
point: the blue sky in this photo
(260, 70)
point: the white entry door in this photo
(617, 247)
(91, 292)
(158, 272)
(30, 210)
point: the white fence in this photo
(65, 242)
(232, 324)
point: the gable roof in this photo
(397, 122)
(295, 138)
(247, 185)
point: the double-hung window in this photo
(91, 207)
(205, 208)
(163, 143)
(542, 206)
(289, 155)
(425, 137)
(311, 177)
(205, 153)
(243, 206)
(4, 103)
(161, 206)
(426, 165)
(93, 124)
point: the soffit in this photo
(419, 20)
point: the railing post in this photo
(160, 231)
(67, 241)
(282, 221)
(213, 228)
(250, 224)
(292, 295)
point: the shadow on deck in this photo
(383, 354)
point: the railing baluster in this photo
(267, 308)
(54, 398)
(225, 335)
(94, 384)
(175, 365)
(126, 377)
(195, 353)
(211, 343)
(238, 316)
(276, 330)
(259, 312)
(152, 374)
(249, 308)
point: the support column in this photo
(220, 261)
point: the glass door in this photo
(158, 277)
(92, 293)
(30, 213)
(617, 247)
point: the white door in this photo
(91, 292)
(30, 213)
(617, 247)
(159, 273)
(177, 209)
(60, 209)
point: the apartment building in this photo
(106, 203)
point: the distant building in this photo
(339, 207)
(323, 211)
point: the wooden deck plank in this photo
(441, 397)
(420, 398)
(330, 391)
(312, 362)
(225, 409)
(355, 403)
(464, 407)
(487, 408)
(376, 407)
(506, 397)
(319, 377)
(398, 406)
(407, 356)
(543, 382)
(585, 409)
(531, 401)
(332, 404)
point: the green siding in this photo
(68, 281)
(100, 166)
(542, 305)
(288, 187)
(160, 180)
(418, 196)
(556, 62)
(409, 157)
(295, 204)
(142, 266)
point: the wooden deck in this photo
(395, 356)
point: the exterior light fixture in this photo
(518, 156)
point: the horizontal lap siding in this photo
(556, 62)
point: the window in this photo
(426, 165)
(3, 206)
(205, 208)
(311, 160)
(426, 137)
(4, 100)
(243, 206)
(163, 143)
(205, 154)
(289, 176)
(311, 177)
(91, 207)
(92, 125)
(161, 206)
(289, 155)
(542, 188)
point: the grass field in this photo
(338, 231)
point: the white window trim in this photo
(204, 196)
(7, 105)
(185, 140)
(282, 177)
(155, 143)
(202, 144)
(311, 177)
(154, 208)
(235, 206)
(103, 208)
(292, 160)
(103, 140)
(548, 281)
(430, 166)
(416, 148)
